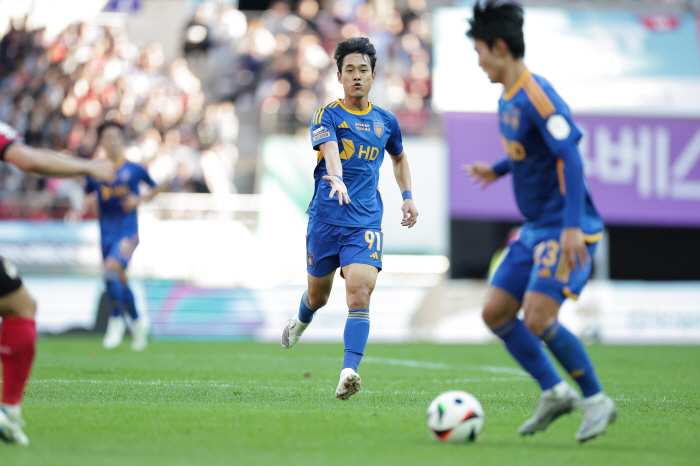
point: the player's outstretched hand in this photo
(130, 202)
(410, 213)
(573, 248)
(480, 172)
(102, 171)
(337, 186)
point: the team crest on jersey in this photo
(378, 128)
(124, 176)
(310, 258)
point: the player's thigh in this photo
(501, 307)
(319, 289)
(322, 248)
(513, 273)
(551, 274)
(361, 246)
(541, 310)
(360, 280)
(17, 303)
(119, 254)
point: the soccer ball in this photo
(455, 417)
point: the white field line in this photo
(407, 363)
(157, 383)
(439, 365)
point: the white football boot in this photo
(292, 332)
(598, 411)
(139, 333)
(11, 429)
(349, 384)
(116, 326)
(557, 401)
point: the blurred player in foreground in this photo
(119, 233)
(350, 135)
(551, 259)
(17, 308)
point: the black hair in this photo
(360, 45)
(107, 124)
(499, 19)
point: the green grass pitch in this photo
(243, 403)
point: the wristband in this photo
(406, 195)
(339, 177)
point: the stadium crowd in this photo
(274, 67)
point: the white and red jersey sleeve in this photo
(8, 135)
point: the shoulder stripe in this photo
(538, 97)
(315, 116)
(319, 112)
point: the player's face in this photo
(112, 142)
(490, 61)
(356, 75)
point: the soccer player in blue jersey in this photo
(119, 233)
(550, 260)
(350, 136)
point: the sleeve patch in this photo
(322, 135)
(558, 127)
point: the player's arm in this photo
(403, 178)
(484, 173)
(51, 163)
(324, 139)
(132, 201)
(561, 136)
(334, 168)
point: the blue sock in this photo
(115, 293)
(569, 351)
(527, 349)
(306, 313)
(355, 337)
(130, 302)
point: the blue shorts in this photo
(120, 249)
(534, 263)
(330, 246)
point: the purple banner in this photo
(640, 171)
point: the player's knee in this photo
(495, 316)
(317, 299)
(534, 321)
(358, 296)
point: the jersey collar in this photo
(364, 112)
(518, 84)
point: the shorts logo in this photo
(378, 128)
(310, 258)
(374, 256)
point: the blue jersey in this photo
(114, 222)
(541, 141)
(362, 138)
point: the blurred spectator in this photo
(272, 70)
(57, 93)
